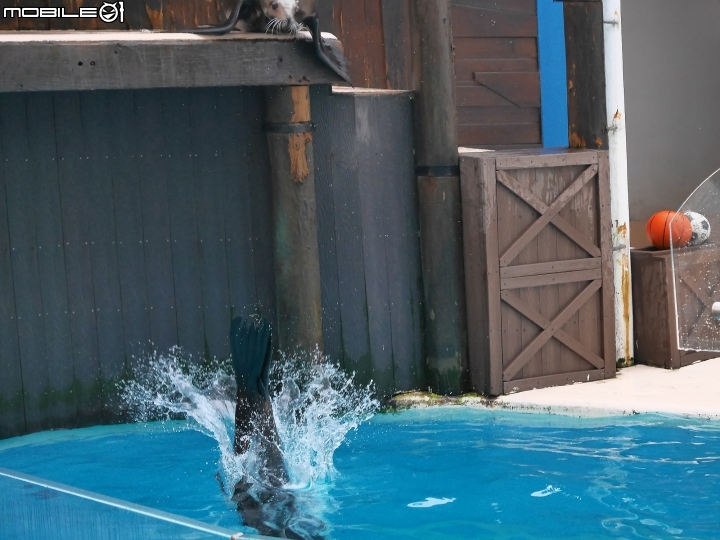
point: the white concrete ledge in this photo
(692, 392)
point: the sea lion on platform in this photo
(264, 503)
(282, 16)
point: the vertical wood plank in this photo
(584, 46)
(490, 229)
(51, 259)
(476, 276)
(568, 291)
(186, 255)
(397, 38)
(324, 107)
(349, 234)
(608, 292)
(260, 192)
(376, 67)
(75, 201)
(587, 209)
(548, 251)
(12, 411)
(531, 295)
(401, 237)
(21, 186)
(103, 244)
(122, 169)
(156, 218)
(373, 180)
(510, 219)
(209, 183)
(354, 39)
(233, 132)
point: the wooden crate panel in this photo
(544, 263)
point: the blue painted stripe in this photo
(553, 75)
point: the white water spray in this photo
(315, 405)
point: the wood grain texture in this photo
(127, 198)
(156, 220)
(349, 238)
(210, 198)
(234, 132)
(95, 109)
(325, 110)
(76, 225)
(374, 168)
(12, 412)
(51, 259)
(297, 264)
(20, 188)
(66, 65)
(476, 276)
(474, 21)
(484, 134)
(496, 72)
(490, 230)
(176, 130)
(398, 43)
(584, 47)
(550, 319)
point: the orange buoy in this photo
(658, 229)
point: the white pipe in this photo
(619, 207)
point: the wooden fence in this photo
(496, 52)
(131, 217)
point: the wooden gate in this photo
(538, 262)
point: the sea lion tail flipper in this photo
(338, 62)
(251, 354)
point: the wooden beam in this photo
(297, 260)
(438, 176)
(585, 53)
(52, 61)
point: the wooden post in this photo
(437, 171)
(584, 46)
(297, 266)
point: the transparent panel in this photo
(33, 508)
(696, 268)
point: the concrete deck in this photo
(693, 391)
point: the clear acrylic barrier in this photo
(33, 508)
(696, 271)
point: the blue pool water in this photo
(433, 474)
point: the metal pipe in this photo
(619, 202)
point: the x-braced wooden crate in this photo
(538, 268)
(654, 312)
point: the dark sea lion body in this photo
(264, 504)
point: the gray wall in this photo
(129, 217)
(672, 92)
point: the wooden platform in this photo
(100, 60)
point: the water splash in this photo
(315, 405)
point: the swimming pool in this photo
(434, 473)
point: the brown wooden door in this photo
(549, 282)
(496, 70)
